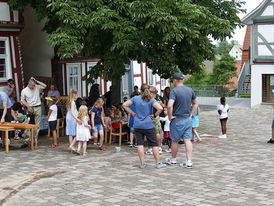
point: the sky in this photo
(249, 6)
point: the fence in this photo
(209, 90)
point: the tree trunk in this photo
(116, 92)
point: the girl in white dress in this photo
(83, 130)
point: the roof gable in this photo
(263, 12)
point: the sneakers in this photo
(222, 136)
(130, 145)
(160, 165)
(168, 150)
(160, 150)
(53, 145)
(171, 161)
(271, 141)
(143, 166)
(149, 151)
(101, 148)
(187, 164)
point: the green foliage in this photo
(167, 35)
(198, 77)
(224, 47)
(223, 70)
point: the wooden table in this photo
(6, 127)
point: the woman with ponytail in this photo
(143, 123)
(71, 117)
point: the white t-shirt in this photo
(53, 115)
(32, 96)
(167, 123)
(224, 111)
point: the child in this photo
(223, 109)
(195, 124)
(71, 118)
(52, 119)
(97, 122)
(107, 118)
(83, 130)
(18, 117)
(166, 130)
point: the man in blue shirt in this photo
(180, 114)
(5, 107)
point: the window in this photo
(74, 77)
(268, 86)
(96, 81)
(163, 83)
(5, 68)
(150, 77)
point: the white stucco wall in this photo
(36, 52)
(256, 82)
(236, 53)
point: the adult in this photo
(94, 94)
(143, 123)
(10, 91)
(180, 114)
(107, 98)
(166, 95)
(5, 107)
(135, 92)
(271, 140)
(54, 93)
(156, 120)
(30, 98)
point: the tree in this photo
(224, 47)
(198, 77)
(164, 34)
(223, 70)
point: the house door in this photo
(268, 87)
(74, 77)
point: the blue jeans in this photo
(181, 128)
(98, 127)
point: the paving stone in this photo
(233, 171)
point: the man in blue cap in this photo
(179, 112)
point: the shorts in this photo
(52, 125)
(273, 124)
(223, 120)
(167, 134)
(157, 125)
(181, 128)
(150, 134)
(131, 130)
(98, 127)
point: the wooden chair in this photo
(60, 125)
(113, 132)
(107, 130)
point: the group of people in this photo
(29, 109)
(145, 115)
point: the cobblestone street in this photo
(233, 171)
